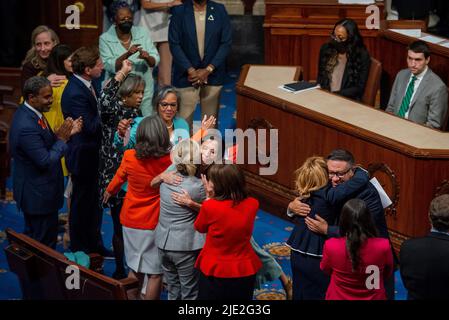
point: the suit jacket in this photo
(184, 44)
(348, 285)
(425, 266)
(353, 90)
(227, 252)
(83, 154)
(429, 104)
(372, 199)
(175, 228)
(38, 182)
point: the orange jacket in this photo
(140, 208)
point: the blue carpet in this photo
(270, 232)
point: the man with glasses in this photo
(341, 168)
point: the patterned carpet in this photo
(270, 232)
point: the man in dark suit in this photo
(200, 40)
(80, 100)
(425, 261)
(38, 182)
(341, 168)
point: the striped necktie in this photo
(407, 98)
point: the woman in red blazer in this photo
(228, 263)
(359, 262)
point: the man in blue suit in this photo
(200, 39)
(38, 182)
(79, 99)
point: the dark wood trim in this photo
(336, 124)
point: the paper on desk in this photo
(446, 44)
(432, 39)
(296, 92)
(386, 201)
(415, 33)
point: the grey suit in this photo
(429, 104)
(178, 242)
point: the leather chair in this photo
(373, 83)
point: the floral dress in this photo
(112, 111)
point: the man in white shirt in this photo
(418, 94)
(80, 99)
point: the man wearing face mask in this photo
(344, 61)
(124, 41)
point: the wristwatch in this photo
(210, 68)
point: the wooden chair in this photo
(43, 273)
(373, 83)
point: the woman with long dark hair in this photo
(358, 262)
(344, 61)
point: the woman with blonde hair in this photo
(43, 39)
(178, 242)
(313, 187)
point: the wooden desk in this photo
(394, 58)
(415, 158)
(296, 29)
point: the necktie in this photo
(46, 122)
(93, 92)
(407, 97)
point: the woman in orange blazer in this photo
(228, 263)
(144, 169)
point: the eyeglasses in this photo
(339, 174)
(165, 105)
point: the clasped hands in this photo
(198, 77)
(318, 225)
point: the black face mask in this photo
(340, 46)
(125, 27)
